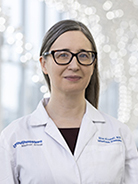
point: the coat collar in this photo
(88, 126)
(94, 114)
(40, 117)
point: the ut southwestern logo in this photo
(28, 143)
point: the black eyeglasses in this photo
(64, 57)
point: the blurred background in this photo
(114, 25)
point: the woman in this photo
(66, 139)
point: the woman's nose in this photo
(74, 64)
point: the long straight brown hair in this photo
(92, 90)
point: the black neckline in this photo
(70, 135)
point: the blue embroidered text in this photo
(109, 140)
(28, 143)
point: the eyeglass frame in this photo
(73, 54)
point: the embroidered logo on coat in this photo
(28, 143)
(109, 140)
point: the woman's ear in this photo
(43, 64)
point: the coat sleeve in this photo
(131, 159)
(7, 175)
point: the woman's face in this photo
(72, 78)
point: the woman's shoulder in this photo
(15, 129)
(107, 122)
(114, 125)
(112, 121)
(99, 116)
(24, 123)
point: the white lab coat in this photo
(33, 151)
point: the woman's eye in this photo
(62, 55)
(83, 55)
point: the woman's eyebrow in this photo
(79, 50)
(65, 49)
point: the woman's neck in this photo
(66, 111)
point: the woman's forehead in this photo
(73, 39)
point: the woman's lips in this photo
(73, 78)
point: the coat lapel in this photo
(87, 131)
(88, 128)
(52, 130)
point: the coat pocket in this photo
(104, 163)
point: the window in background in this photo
(22, 82)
